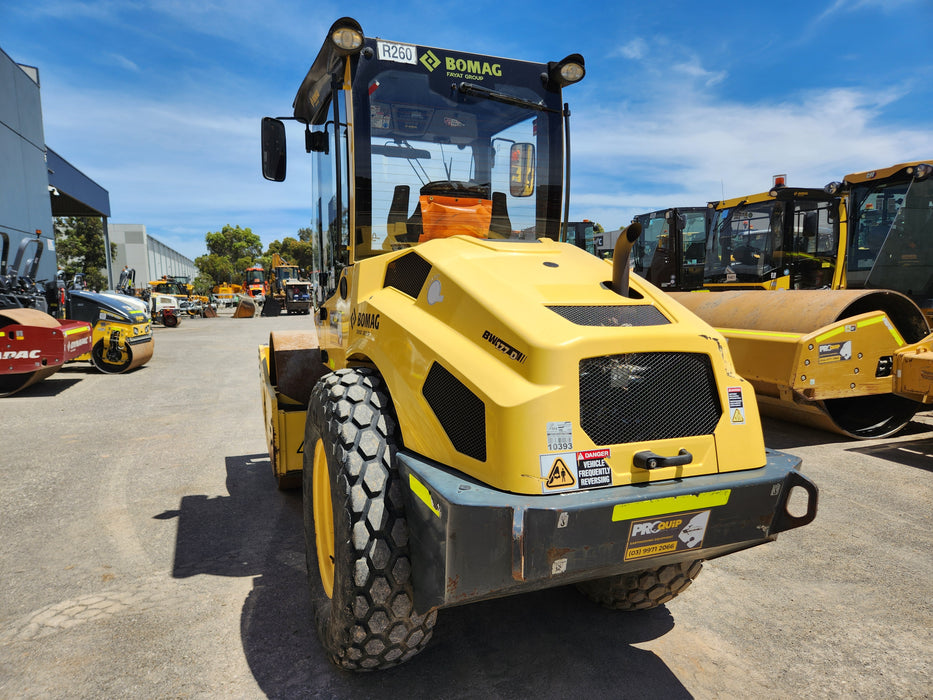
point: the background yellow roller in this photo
(820, 357)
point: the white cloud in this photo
(636, 49)
(693, 69)
(121, 62)
(635, 159)
(182, 166)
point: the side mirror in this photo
(522, 169)
(273, 149)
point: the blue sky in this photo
(159, 101)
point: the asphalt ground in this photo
(145, 552)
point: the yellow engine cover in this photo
(517, 364)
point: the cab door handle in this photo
(649, 460)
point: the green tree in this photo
(230, 251)
(79, 244)
(300, 251)
(203, 284)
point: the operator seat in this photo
(397, 221)
(500, 226)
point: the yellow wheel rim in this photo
(323, 519)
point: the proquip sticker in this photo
(666, 534)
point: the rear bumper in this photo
(470, 542)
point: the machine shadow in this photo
(51, 386)
(911, 453)
(784, 435)
(545, 643)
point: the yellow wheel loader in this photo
(481, 410)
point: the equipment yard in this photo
(146, 552)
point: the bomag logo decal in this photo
(72, 345)
(471, 69)
(364, 320)
(429, 60)
(21, 355)
(463, 68)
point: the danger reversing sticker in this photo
(575, 470)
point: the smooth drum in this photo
(765, 331)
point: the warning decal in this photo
(652, 537)
(592, 468)
(560, 476)
(558, 472)
(736, 405)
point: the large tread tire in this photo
(642, 590)
(368, 622)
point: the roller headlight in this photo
(570, 70)
(346, 35)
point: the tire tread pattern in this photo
(370, 624)
(642, 590)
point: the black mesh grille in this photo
(461, 413)
(611, 315)
(647, 396)
(407, 274)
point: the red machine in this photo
(33, 345)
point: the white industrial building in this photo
(148, 256)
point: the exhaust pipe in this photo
(621, 255)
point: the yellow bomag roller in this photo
(122, 329)
(856, 362)
(481, 410)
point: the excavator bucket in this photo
(246, 308)
(34, 345)
(272, 307)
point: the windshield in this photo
(672, 258)
(654, 244)
(741, 242)
(891, 239)
(254, 277)
(168, 287)
(441, 151)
